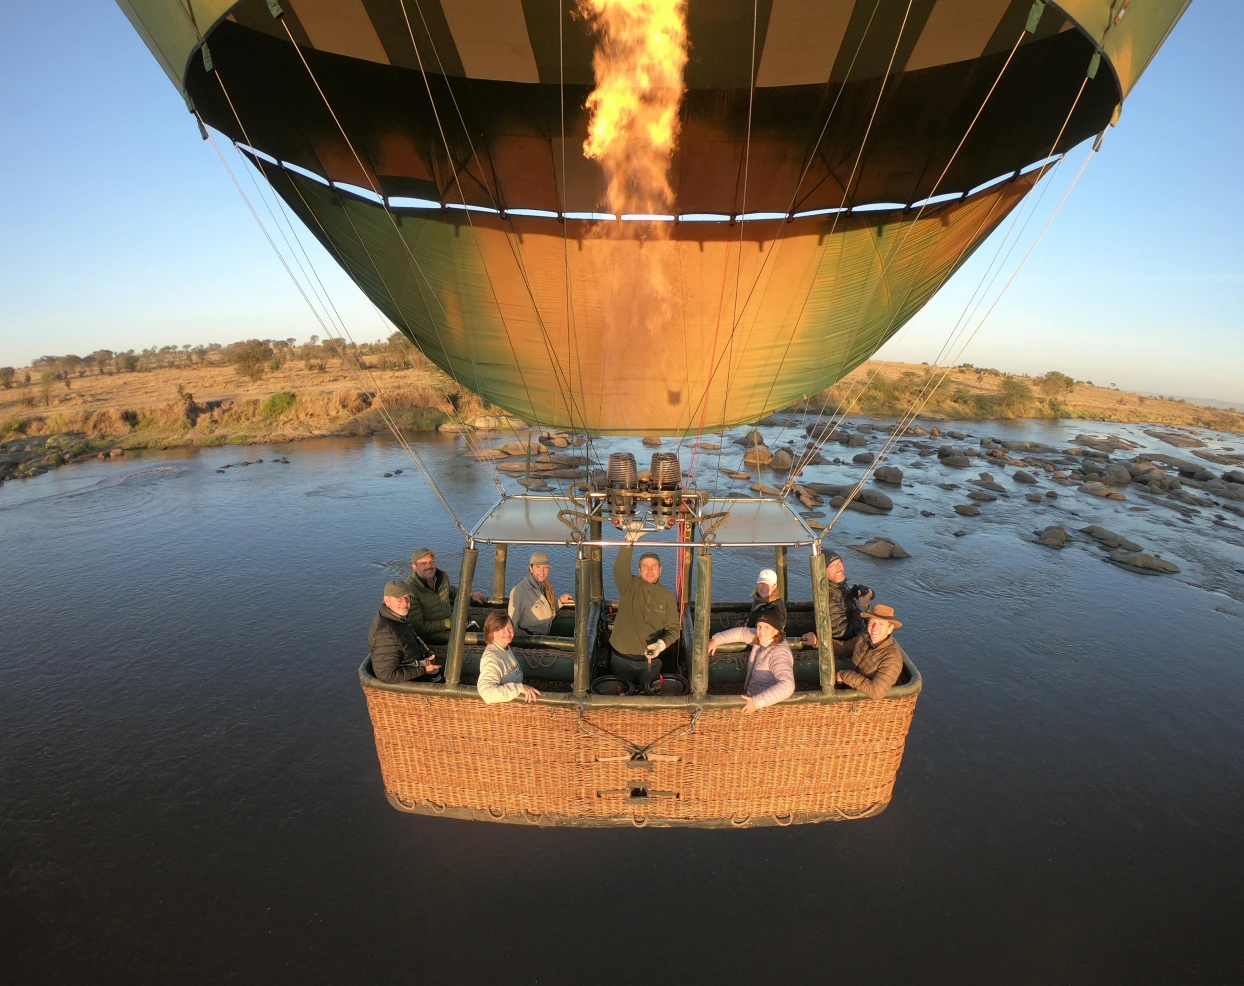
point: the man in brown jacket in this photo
(876, 661)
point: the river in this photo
(189, 789)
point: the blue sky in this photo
(123, 231)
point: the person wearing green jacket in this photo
(647, 621)
(432, 597)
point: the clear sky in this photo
(121, 229)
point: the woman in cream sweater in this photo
(500, 675)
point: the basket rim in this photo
(649, 703)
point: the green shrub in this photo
(278, 404)
(130, 418)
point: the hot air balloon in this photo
(822, 167)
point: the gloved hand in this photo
(654, 649)
(634, 531)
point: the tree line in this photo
(251, 358)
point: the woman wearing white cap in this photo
(767, 601)
(534, 603)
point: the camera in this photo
(858, 590)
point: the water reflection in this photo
(189, 787)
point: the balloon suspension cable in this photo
(910, 417)
(393, 219)
(778, 234)
(383, 411)
(843, 407)
(846, 189)
(565, 385)
(327, 302)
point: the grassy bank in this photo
(211, 404)
(970, 392)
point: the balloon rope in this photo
(564, 385)
(382, 410)
(393, 219)
(897, 434)
(472, 444)
(835, 420)
(896, 311)
(850, 181)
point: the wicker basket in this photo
(600, 761)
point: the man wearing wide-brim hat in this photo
(432, 597)
(397, 652)
(534, 603)
(876, 661)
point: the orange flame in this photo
(634, 126)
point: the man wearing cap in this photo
(767, 601)
(647, 621)
(432, 597)
(844, 609)
(533, 602)
(397, 653)
(876, 661)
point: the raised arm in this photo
(622, 567)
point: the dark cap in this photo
(397, 589)
(651, 554)
(831, 557)
(773, 620)
(421, 553)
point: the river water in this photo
(189, 789)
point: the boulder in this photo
(523, 448)
(783, 460)
(856, 441)
(652, 441)
(865, 458)
(988, 484)
(876, 499)
(483, 454)
(757, 455)
(981, 496)
(960, 534)
(1234, 475)
(496, 422)
(891, 475)
(865, 429)
(1142, 563)
(1116, 474)
(453, 427)
(1097, 489)
(1022, 477)
(926, 513)
(1051, 494)
(967, 510)
(751, 439)
(1054, 536)
(767, 490)
(956, 461)
(880, 547)
(1108, 538)
(1034, 498)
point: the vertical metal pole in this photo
(499, 554)
(462, 614)
(597, 566)
(703, 626)
(780, 551)
(688, 561)
(582, 610)
(824, 626)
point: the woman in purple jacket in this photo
(770, 666)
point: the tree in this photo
(6, 376)
(250, 357)
(102, 357)
(46, 379)
(127, 362)
(1055, 384)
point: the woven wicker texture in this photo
(810, 760)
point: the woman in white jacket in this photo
(500, 675)
(770, 666)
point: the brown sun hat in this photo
(882, 612)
